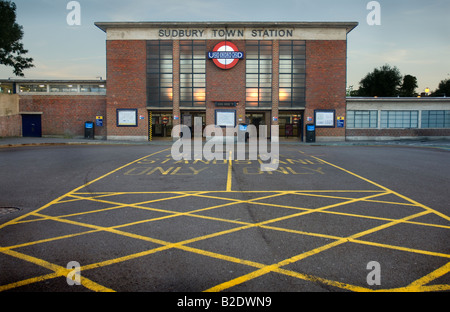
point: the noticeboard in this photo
(226, 118)
(127, 118)
(324, 118)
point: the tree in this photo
(443, 88)
(382, 82)
(408, 87)
(11, 34)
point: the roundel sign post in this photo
(225, 55)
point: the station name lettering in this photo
(226, 33)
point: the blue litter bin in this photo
(310, 133)
(89, 129)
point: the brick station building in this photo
(162, 74)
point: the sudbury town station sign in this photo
(225, 33)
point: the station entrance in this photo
(160, 124)
(194, 119)
(291, 125)
(258, 119)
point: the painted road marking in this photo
(227, 198)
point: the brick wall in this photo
(225, 85)
(65, 115)
(126, 74)
(10, 120)
(10, 126)
(397, 133)
(326, 72)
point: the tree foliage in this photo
(382, 82)
(443, 88)
(12, 50)
(408, 87)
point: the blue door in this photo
(31, 126)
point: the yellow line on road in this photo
(230, 173)
(58, 272)
(53, 202)
(416, 285)
(277, 266)
(387, 189)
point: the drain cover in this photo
(8, 210)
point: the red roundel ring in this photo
(225, 46)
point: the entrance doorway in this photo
(32, 126)
(193, 120)
(258, 119)
(291, 125)
(161, 124)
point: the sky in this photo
(413, 35)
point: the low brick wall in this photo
(65, 115)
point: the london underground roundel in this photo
(225, 55)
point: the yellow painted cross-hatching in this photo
(111, 201)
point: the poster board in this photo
(127, 118)
(324, 118)
(226, 118)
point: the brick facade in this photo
(126, 70)
(397, 133)
(10, 126)
(224, 85)
(126, 58)
(325, 83)
(326, 72)
(65, 115)
(10, 120)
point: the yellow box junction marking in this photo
(345, 197)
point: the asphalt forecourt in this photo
(325, 218)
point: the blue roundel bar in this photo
(225, 55)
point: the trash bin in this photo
(310, 133)
(89, 130)
(243, 133)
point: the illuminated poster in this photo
(324, 118)
(127, 117)
(226, 118)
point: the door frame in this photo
(27, 124)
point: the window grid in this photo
(192, 73)
(399, 119)
(362, 119)
(259, 73)
(436, 119)
(160, 73)
(292, 74)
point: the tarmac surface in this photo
(333, 217)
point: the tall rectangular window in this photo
(160, 73)
(192, 73)
(259, 73)
(362, 119)
(292, 80)
(399, 119)
(436, 119)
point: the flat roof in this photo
(30, 81)
(349, 26)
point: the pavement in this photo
(20, 141)
(137, 220)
